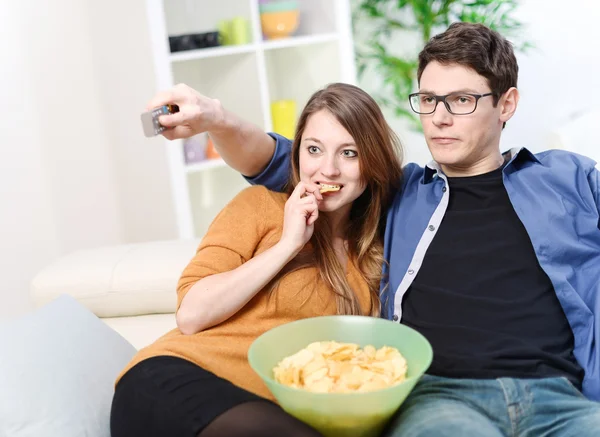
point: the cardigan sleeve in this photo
(230, 241)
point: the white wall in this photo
(124, 70)
(75, 169)
(74, 139)
(27, 227)
(561, 76)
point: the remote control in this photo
(150, 119)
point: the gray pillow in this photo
(58, 366)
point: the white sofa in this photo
(59, 363)
(132, 288)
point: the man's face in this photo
(461, 143)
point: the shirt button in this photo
(411, 271)
(443, 189)
(395, 318)
(431, 228)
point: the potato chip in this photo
(332, 367)
(326, 188)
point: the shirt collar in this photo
(521, 153)
(516, 153)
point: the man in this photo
(494, 257)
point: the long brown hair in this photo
(379, 154)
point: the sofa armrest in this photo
(118, 281)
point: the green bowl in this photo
(341, 414)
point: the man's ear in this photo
(508, 104)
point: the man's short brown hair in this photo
(477, 47)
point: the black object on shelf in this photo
(193, 41)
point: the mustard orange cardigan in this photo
(250, 224)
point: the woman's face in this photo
(328, 155)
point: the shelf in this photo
(214, 52)
(321, 65)
(204, 165)
(299, 41)
(245, 78)
(211, 52)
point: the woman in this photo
(268, 259)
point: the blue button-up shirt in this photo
(556, 195)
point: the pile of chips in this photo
(332, 367)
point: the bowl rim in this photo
(335, 394)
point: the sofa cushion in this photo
(140, 331)
(125, 280)
(57, 370)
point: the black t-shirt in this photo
(481, 297)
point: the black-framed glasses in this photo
(456, 103)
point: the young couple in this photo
(494, 257)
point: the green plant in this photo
(379, 25)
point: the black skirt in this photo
(169, 396)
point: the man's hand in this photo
(197, 113)
(242, 145)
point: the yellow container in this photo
(224, 27)
(283, 113)
(240, 31)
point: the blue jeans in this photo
(444, 407)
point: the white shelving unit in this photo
(245, 78)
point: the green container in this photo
(278, 6)
(341, 414)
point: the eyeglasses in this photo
(455, 103)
